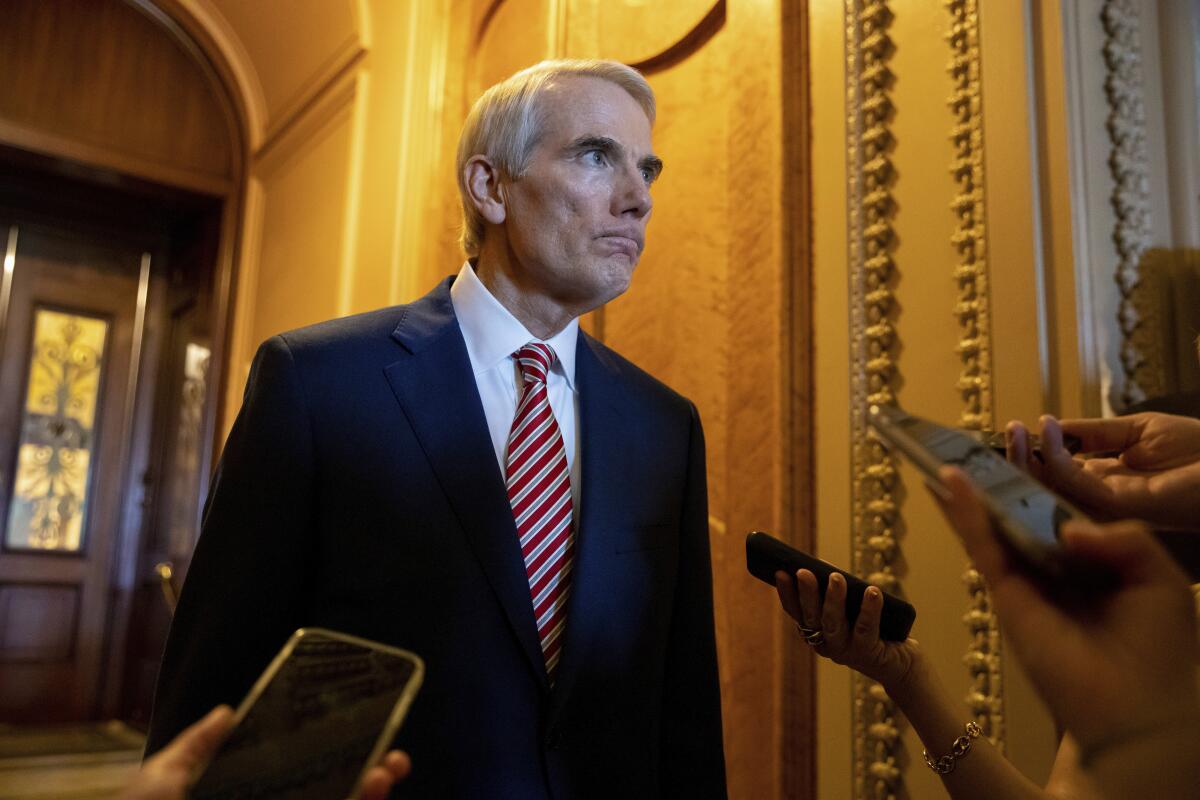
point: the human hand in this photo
(166, 774)
(859, 646)
(1123, 667)
(1155, 475)
(379, 780)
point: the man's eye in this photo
(597, 157)
(648, 176)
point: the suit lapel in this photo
(600, 394)
(434, 384)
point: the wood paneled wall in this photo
(97, 81)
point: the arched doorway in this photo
(123, 137)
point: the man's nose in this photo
(633, 195)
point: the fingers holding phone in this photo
(379, 780)
(165, 775)
(1115, 669)
(825, 627)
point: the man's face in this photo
(576, 220)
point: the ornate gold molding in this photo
(1123, 88)
(983, 661)
(871, 207)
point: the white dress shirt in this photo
(492, 335)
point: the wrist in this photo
(913, 684)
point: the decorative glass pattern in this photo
(48, 505)
(184, 513)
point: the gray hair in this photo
(505, 124)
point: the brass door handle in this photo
(165, 571)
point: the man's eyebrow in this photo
(653, 165)
(605, 143)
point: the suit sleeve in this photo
(693, 760)
(242, 596)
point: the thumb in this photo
(199, 742)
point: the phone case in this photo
(1026, 512)
(327, 707)
(766, 555)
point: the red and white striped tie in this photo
(539, 490)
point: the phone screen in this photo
(1029, 513)
(326, 706)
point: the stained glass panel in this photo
(48, 505)
(185, 499)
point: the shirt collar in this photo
(493, 334)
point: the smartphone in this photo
(326, 709)
(1028, 515)
(995, 440)
(766, 555)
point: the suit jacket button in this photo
(554, 739)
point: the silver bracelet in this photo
(962, 746)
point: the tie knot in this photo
(535, 359)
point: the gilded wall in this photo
(975, 241)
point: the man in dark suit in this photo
(474, 479)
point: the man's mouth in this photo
(627, 243)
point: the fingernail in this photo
(873, 593)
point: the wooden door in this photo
(65, 411)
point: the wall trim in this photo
(1129, 166)
(878, 756)
(983, 657)
(311, 94)
(240, 67)
(72, 149)
(329, 107)
(420, 145)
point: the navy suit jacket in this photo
(359, 491)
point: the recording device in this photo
(766, 555)
(1027, 514)
(995, 440)
(326, 710)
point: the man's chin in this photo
(616, 281)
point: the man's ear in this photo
(483, 187)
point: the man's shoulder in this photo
(345, 332)
(367, 331)
(637, 380)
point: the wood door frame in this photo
(104, 515)
(799, 671)
(231, 78)
(228, 71)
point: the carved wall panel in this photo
(973, 311)
(1128, 163)
(667, 29)
(876, 514)
(512, 35)
(297, 47)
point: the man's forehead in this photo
(577, 105)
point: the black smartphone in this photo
(766, 555)
(995, 440)
(1028, 515)
(326, 709)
